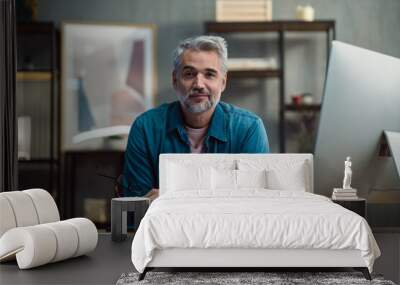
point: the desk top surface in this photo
(102, 266)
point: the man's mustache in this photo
(198, 91)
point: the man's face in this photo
(199, 82)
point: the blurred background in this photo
(86, 69)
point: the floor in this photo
(102, 266)
(389, 262)
(96, 268)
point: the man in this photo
(198, 122)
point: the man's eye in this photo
(210, 74)
(188, 74)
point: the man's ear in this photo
(174, 79)
(224, 79)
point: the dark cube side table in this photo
(358, 206)
(119, 209)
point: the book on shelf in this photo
(341, 190)
(348, 198)
(344, 194)
(24, 137)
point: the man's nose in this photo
(199, 81)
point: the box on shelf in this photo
(251, 63)
(239, 11)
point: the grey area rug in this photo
(229, 278)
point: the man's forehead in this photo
(200, 60)
(190, 67)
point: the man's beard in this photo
(198, 107)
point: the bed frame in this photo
(242, 259)
(246, 258)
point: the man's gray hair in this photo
(202, 43)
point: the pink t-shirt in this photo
(196, 139)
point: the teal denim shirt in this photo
(161, 130)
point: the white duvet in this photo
(252, 218)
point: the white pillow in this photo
(236, 179)
(199, 160)
(287, 179)
(224, 179)
(251, 178)
(182, 177)
(282, 174)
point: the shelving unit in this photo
(279, 27)
(303, 108)
(37, 99)
(259, 73)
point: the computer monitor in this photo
(361, 100)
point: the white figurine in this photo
(347, 173)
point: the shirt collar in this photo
(217, 128)
(175, 117)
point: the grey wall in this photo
(370, 24)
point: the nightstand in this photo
(358, 206)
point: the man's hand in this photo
(153, 194)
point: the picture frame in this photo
(108, 79)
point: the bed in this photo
(246, 211)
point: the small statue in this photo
(347, 173)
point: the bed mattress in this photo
(251, 219)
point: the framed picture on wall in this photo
(108, 79)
